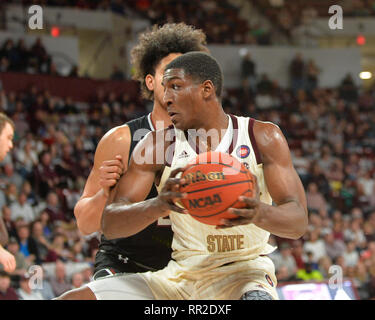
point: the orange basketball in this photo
(214, 181)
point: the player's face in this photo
(182, 97)
(6, 140)
(158, 78)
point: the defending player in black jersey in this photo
(149, 249)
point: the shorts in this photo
(121, 286)
(228, 282)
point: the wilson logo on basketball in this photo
(243, 151)
(200, 176)
(204, 202)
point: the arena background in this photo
(66, 84)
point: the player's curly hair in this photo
(160, 41)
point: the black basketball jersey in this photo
(147, 250)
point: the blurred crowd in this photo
(17, 57)
(294, 13)
(331, 134)
(44, 175)
(220, 20)
(330, 131)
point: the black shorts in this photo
(109, 263)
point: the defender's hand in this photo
(110, 172)
(170, 193)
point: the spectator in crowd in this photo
(22, 209)
(302, 165)
(312, 73)
(29, 193)
(8, 222)
(368, 254)
(44, 286)
(315, 245)
(298, 254)
(366, 185)
(6, 291)
(355, 233)
(315, 200)
(42, 244)
(25, 292)
(297, 73)
(361, 280)
(11, 176)
(53, 208)
(46, 177)
(46, 224)
(87, 273)
(77, 280)
(27, 158)
(58, 250)
(309, 274)
(11, 194)
(325, 264)
(248, 73)
(283, 275)
(59, 282)
(333, 247)
(286, 259)
(318, 177)
(27, 244)
(351, 255)
(348, 90)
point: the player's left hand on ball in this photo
(246, 215)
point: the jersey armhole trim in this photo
(235, 133)
(253, 141)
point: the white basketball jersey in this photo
(198, 246)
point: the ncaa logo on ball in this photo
(243, 151)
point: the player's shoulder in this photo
(266, 127)
(151, 148)
(114, 141)
(160, 135)
(267, 134)
(116, 134)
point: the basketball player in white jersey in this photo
(6, 144)
(229, 262)
(151, 248)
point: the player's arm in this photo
(3, 233)
(6, 258)
(127, 213)
(111, 157)
(288, 219)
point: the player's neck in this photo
(218, 120)
(159, 117)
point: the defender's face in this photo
(182, 99)
(6, 140)
(158, 78)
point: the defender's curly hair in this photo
(159, 42)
